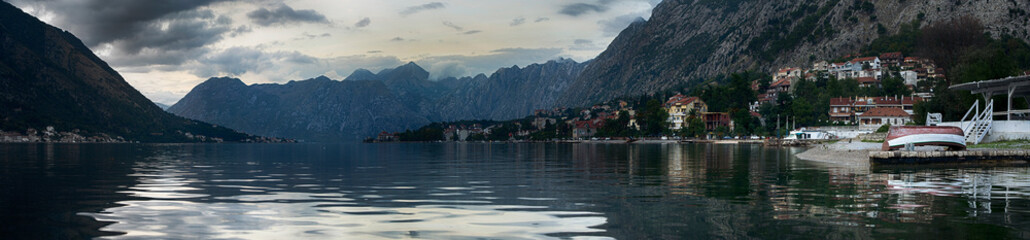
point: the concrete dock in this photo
(1006, 156)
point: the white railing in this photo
(933, 119)
(975, 109)
(980, 123)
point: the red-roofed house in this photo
(873, 62)
(784, 73)
(868, 81)
(892, 58)
(714, 120)
(840, 110)
(679, 108)
(588, 128)
(848, 109)
(876, 117)
(386, 137)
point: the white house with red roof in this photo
(877, 117)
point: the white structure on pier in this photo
(981, 126)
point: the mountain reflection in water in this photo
(524, 191)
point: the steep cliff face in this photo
(686, 40)
(321, 109)
(49, 78)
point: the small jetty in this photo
(999, 156)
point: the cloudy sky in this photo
(165, 47)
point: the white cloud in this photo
(165, 48)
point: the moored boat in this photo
(951, 137)
(805, 134)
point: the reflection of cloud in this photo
(248, 207)
(330, 217)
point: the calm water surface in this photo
(475, 191)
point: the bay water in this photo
(491, 191)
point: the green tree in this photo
(654, 118)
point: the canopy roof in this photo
(1019, 85)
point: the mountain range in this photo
(48, 77)
(682, 43)
(365, 103)
(686, 41)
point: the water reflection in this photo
(184, 200)
(532, 191)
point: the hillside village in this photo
(689, 115)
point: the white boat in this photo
(804, 134)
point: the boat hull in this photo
(951, 137)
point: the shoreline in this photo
(843, 153)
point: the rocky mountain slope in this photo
(317, 109)
(686, 40)
(49, 78)
(366, 103)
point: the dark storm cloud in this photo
(363, 23)
(423, 7)
(103, 21)
(188, 30)
(283, 15)
(141, 33)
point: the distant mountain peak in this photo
(322, 78)
(223, 81)
(407, 70)
(361, 74)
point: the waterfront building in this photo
(679, 108)
(983, 123)
(846, 110)
(877, 117)
(714, 120)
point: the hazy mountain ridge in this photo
(685, 41)
(317, 109)
(48, 77)
(321, 109)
